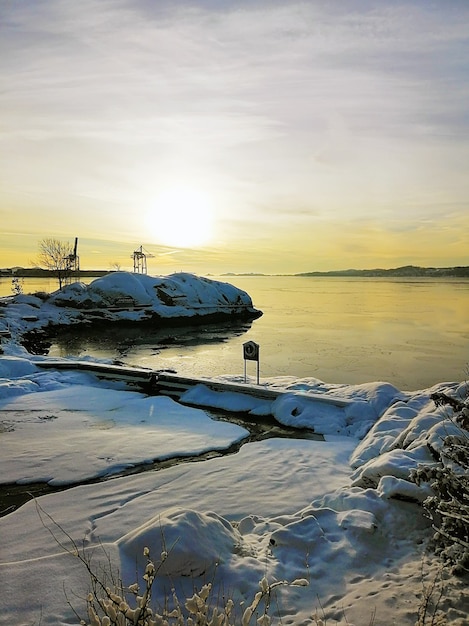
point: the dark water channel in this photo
(12, 496)
(139, 343)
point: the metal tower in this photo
(72, 264)
(140, 260)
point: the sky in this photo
(248, 136)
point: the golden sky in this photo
(236, 136)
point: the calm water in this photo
(410, 332)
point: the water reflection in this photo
(125, 341)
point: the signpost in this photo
(251, 353)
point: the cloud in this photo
(290, 112)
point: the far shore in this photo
(37, 272)
(407, 271)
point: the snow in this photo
(143, 430)
(340, 513)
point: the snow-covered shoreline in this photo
(342, 513)
(298, 508)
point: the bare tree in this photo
(55, 256)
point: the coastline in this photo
(406, 271)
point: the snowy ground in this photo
(339, 513)
(283, 508)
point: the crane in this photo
(72, 262)
(140, 260)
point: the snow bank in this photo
(307, 404)
(408, 434)
(195, 542)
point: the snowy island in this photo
(329, 529)
(126, 297)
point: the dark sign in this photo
(251, 351)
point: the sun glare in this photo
(181, 217)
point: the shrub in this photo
(112, 607)
(17, 286)
(42, 295)
(448, 507)
(110, 603)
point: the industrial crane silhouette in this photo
(140, 260)
(72, 263)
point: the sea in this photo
(410, 332)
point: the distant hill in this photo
(245, 274)
(405, 271)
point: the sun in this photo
(181, 217)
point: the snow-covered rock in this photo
(172, 296)
(127, 297)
